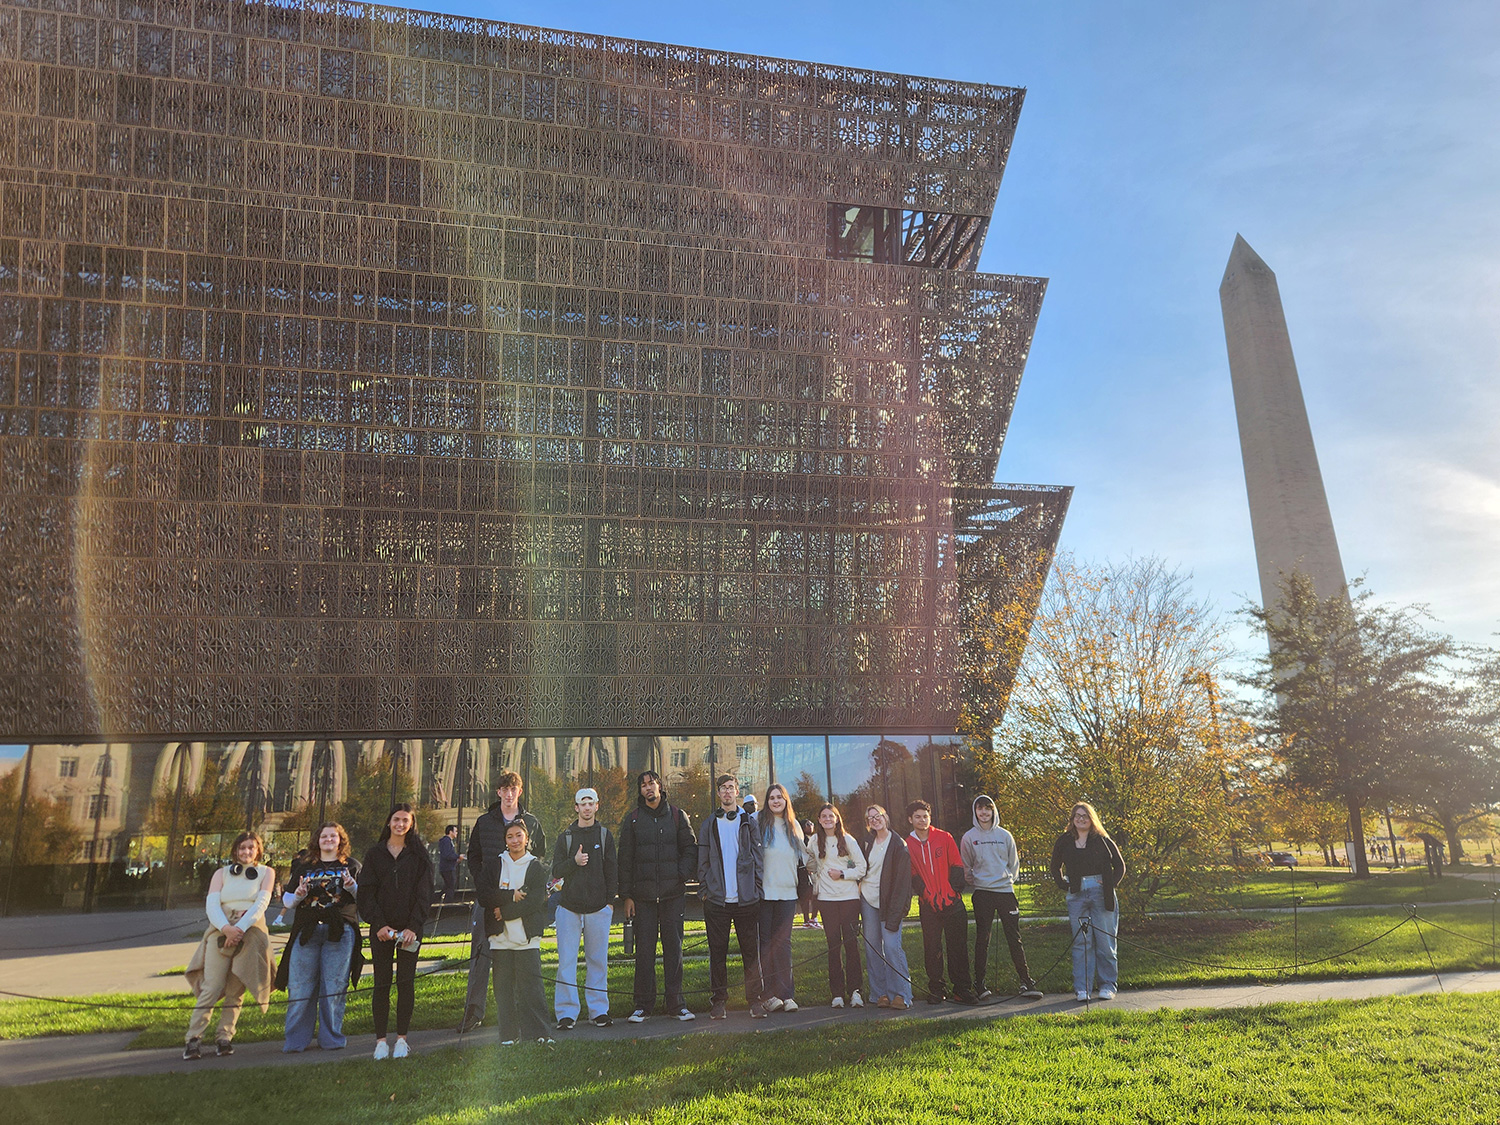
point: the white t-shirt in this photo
(729, 845)
(869, 887)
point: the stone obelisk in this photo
(1288, 509)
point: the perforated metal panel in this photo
(368, 370)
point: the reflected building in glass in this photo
(381, 389)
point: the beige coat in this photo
(251, 964)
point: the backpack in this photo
(555, 886)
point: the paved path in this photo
(24, 1062)
(127, 951)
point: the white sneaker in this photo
(637, 1016)
(382, 1050)
(838, 1001)
(685, 1015)
(774, 1004)
(856, 1001)
(401, 1051)
(1106, 994)
(1081, 996)
(789, 1005)
(509, 1042)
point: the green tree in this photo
(1366, 705)
(1115, 703)
(47, 831)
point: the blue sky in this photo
(1353, 144)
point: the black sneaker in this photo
(224, 1047)
(1030, 990)
(469, 1023)
(718, 1011)
(966, 997)
(758, 1011)
(603, 1021)
(935, 997)
(193, 1050)
(984, 994)
(565, 1024)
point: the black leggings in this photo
(406, 986)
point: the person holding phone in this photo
(395, 894)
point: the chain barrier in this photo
(1413, 918)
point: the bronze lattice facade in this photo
(367, 370)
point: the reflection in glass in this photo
(748, 758)
(687, 772)
(145, 824)
(851, 768)
(802, 766)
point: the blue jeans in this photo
(884, 957)
(317, 987)
(1093, 953)
(777, 916)
(594, 929)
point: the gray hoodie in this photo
(991, 862)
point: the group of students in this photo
(753, 871)
(323, 958)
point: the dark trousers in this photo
(777, 917)
(477, 993)
(951, 925)
(986, 905)
(841, 931)
(653, 920)
(745, 918)
(450, 883)
(381, 955)
(517, 976)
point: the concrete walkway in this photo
(25, 1062)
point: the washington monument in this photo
(1288, 508)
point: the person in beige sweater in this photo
(837, 865)
(235, 954)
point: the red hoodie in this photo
(930, 861)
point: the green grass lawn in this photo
(1177, 952)
(1417, 1059)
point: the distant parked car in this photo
(1283, 859)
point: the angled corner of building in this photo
(370, 372)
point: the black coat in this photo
(487, 840)
(658, 855)
(1100, 857)
(396, 891)
(895, 881)
(532, 910)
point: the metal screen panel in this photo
(366, 370)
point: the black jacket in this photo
(895, 881)
(658, 856)
(591, 888)
(396, 891)
(532, 910)
(487, 840)
(1100, 857)
(747, 868)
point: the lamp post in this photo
(106, 766)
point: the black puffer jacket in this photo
(658, 854)
(487, 840)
